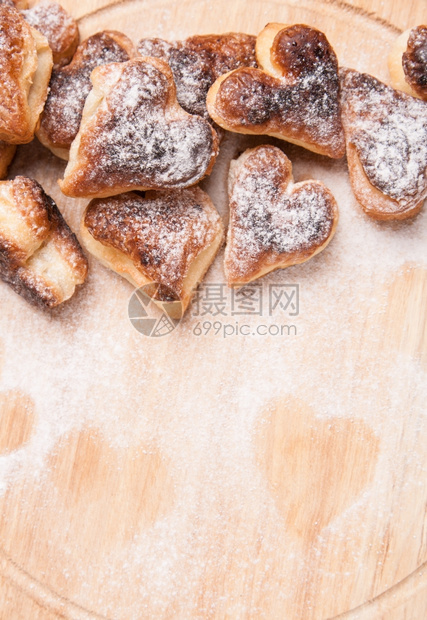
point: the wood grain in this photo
(164, 501)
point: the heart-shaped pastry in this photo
(293, 96)
(59, 28)
(69, 87)
(386, 136)
(274, 223)
(135, 136)
(165, 238)
(407, 62)
(25, 68)
(198, 61)
(40, 258)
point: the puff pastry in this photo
(135, 136)
(386, 135)
(198, 61)
(25, 76)
(59, 28)
(407, 62)
(168, 238)
(294, 95)
(274, 222)
(70, 86)
(40, 258)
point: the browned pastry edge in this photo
(25, 264)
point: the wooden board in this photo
(203, 476)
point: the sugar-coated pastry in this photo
(25, 75)
(7, 153)
(168, 238)
(294, 95)
(198, 61)
(59, 28)
(407, 62)
(135, 136)
(386, 136)
(40, 258)
(274, 222)
(70, 85)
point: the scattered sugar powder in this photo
(53, 22)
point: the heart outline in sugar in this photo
(294, 95)
(267, 229)
(134, 135)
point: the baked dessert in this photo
(386, 136)
(407, 62)
(135, 136)
(198, 61)
(40, 258)
(165, 238)
(294, 95)
(59, 28)
(25, 76)
(7, 153)
(274, 222)
(70, 86)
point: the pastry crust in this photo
(198, 61)
(18, 4)
(407, 62)
(40, 258)
(59, 28)
(25, 77)
(70, 86)
(294, 95)
(274, 222)
(135, 136)
(386, 136)
(165, 238)
(7, 153)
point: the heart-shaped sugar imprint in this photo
(274, 223)
(293, 96)
(135, 136)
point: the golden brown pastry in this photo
(407, 62)
(294, 95)
(168, 238)
(70, 85)
(40, 258)
(198, 61)
(7, 153)
(25, 76)
(386, 136)
(274, 222)
(59, 28)
(135, 136)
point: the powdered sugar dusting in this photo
(389, 130)
(137, 142)
(269, 221)
(49, 18)
(162, 234)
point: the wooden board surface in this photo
(203, 476)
